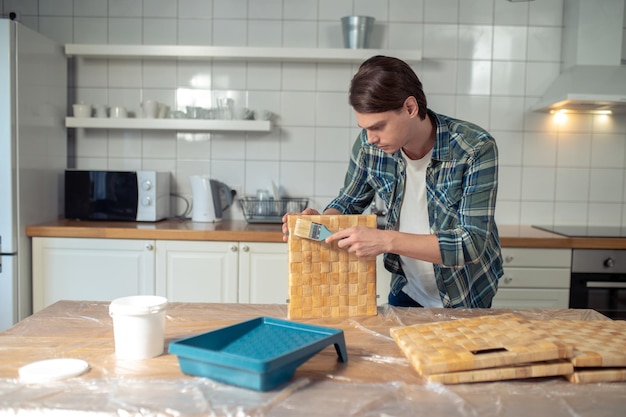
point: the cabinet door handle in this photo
(508, 259)
(245, 248)
(508, 280)
(233, 248)
(149, 246)
(605, 284)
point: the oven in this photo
(598, 281)
(598, 278)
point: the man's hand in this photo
(360, 240)
(306, 211)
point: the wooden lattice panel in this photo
(478, 343)
(597, 343)
(599, 347)
(588, 375)
(534, 370)
(326, 281)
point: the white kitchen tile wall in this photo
(607, 151)
(268, 9)
(475, 42)
(539, 149)
(486, 61)
(125, 31)
(606, 214)
(297, 144)
(570, 183)
(476, 12)
(474, 108)
(538, 183)
(124, 8)
(52, 7)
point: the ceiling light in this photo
(569, 111)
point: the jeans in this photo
(402, 300)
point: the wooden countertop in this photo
(241, 231)
(377, 377)
(170, 229)
(531, 237)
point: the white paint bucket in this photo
(138, 326)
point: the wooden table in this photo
(376, 381)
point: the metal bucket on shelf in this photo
(356, 31)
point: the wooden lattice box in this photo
(326, 281)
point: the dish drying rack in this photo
(270, 210)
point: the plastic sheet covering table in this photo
(376, 381)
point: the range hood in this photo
(593, 79)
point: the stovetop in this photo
(586, 231)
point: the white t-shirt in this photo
(421, 285)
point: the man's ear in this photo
(411, 106)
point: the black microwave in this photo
(117, 195)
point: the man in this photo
(438, 177)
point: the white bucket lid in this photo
(138, 305)
(52, 370)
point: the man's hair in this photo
(383, 83)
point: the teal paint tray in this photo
(258, 354)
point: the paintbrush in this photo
(311, 230)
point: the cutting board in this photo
(484, 342)
(326, 281)
(599, 347)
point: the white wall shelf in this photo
(183, 125)
(190, 52)
(337, 55)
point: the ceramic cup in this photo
(150, 109)
(102, 111)
(118, 112)
(82, 110)
(164, 111)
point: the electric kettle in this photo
(210, 199)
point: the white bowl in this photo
(118, 112)
(82, 110)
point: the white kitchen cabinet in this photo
(534, 278)
(263, 273)
(90, 269)
(199, 271)
(191, 271)
(244, 272)
(185, 271)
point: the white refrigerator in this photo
(33, 154)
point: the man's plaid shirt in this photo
(461, 187)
